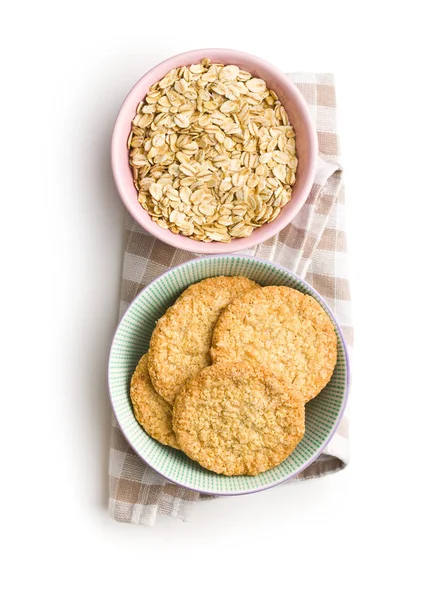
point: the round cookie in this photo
(152, 412)
(238, 419)
(180, 343)
(283, 329)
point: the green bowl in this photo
(131, 340)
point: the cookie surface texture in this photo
(238, 419)
(180, 343)
(282, 329)
(152, 412)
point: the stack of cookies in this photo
(229, 369)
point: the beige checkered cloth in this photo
(313, 246)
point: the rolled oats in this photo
(212, 152)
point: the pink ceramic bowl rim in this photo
(121, 132)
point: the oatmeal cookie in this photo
(283, 329)
(180, 343)
(152, 412)
(238, 419)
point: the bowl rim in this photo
(183, 242)
(346, 390)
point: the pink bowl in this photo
(300, 118)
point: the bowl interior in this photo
(132, 340)
(306, 144)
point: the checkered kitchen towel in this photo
(313, 246)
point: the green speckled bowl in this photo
(131, 340)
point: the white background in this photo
(66, 68)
